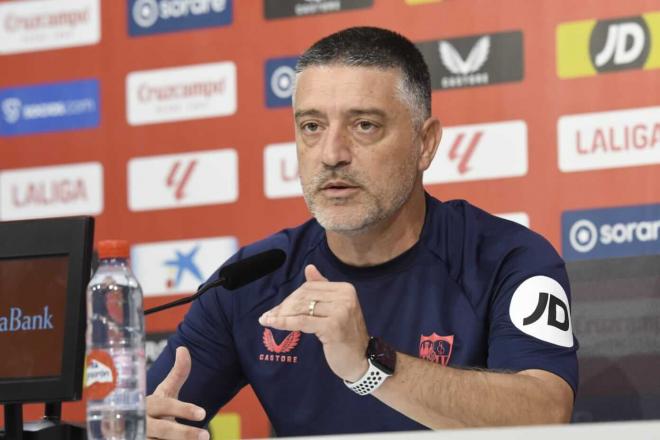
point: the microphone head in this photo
(252, 268)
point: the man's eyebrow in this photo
(350, 112)
(367, 111)
(310, 112)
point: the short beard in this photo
(375, 211)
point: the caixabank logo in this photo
(590, 47)
(298, 8)
(611, 232)
(42, 108)
(477, 60)
(147, 17)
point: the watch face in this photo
(382, 355)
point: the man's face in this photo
(357, 147)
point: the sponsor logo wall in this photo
(170, 121)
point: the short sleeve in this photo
(216, 375)
(529, 312)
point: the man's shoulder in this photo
(478, 247)
(465, 225)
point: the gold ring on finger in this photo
(312, 305)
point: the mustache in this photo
(325, 176)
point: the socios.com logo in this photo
(280, 75)
(611, 232)
(42, 108)
(589, 47)
(11, 110)
(157, 16)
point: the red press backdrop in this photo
(199, 160)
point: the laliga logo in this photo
(147, 12)
(583, 236)
(281, 82)
(11, 109)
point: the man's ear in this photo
(430, 136)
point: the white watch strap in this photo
(372, 379)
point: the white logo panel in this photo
(613, 139)
(176, 267)
(539, 307)
(35, 25)
(180, 180)
(480, 151)
(519, 217)
(54, 191)
(281, 178)
(181, 93)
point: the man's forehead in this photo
(361, 85)
(338, 72)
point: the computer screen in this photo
(44, 270)
(32, 326)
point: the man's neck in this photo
(385, 240)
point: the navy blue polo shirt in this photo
(474, 291)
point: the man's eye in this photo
(310, 127)
(366, 126)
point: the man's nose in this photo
(336, 148)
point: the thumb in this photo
(171, 385)
(313, 274)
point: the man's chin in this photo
(347, 224)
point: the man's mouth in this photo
(338, 188)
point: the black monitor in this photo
(44, 271)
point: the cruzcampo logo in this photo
(590, 47)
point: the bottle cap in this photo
(113, 249)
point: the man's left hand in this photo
(336, 320)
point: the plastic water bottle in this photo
(114, 364)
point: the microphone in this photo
(234, 275)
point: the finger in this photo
(303, 323)
(170, 407)
(303, 306)
(171, 385)
(171, 430)
(313, 274)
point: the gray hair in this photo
(379, 48)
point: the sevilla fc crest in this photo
(288, 344)
(436, 348)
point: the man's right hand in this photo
(164, 405)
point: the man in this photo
(484, 301)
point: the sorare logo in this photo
(280, 75)
(298, 8)
(472, 61)
(42, 108)
(146, 17)
(611, 232)
(590, 47)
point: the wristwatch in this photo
(382, 361)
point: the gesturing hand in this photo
(336, 320)
(163, 405)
